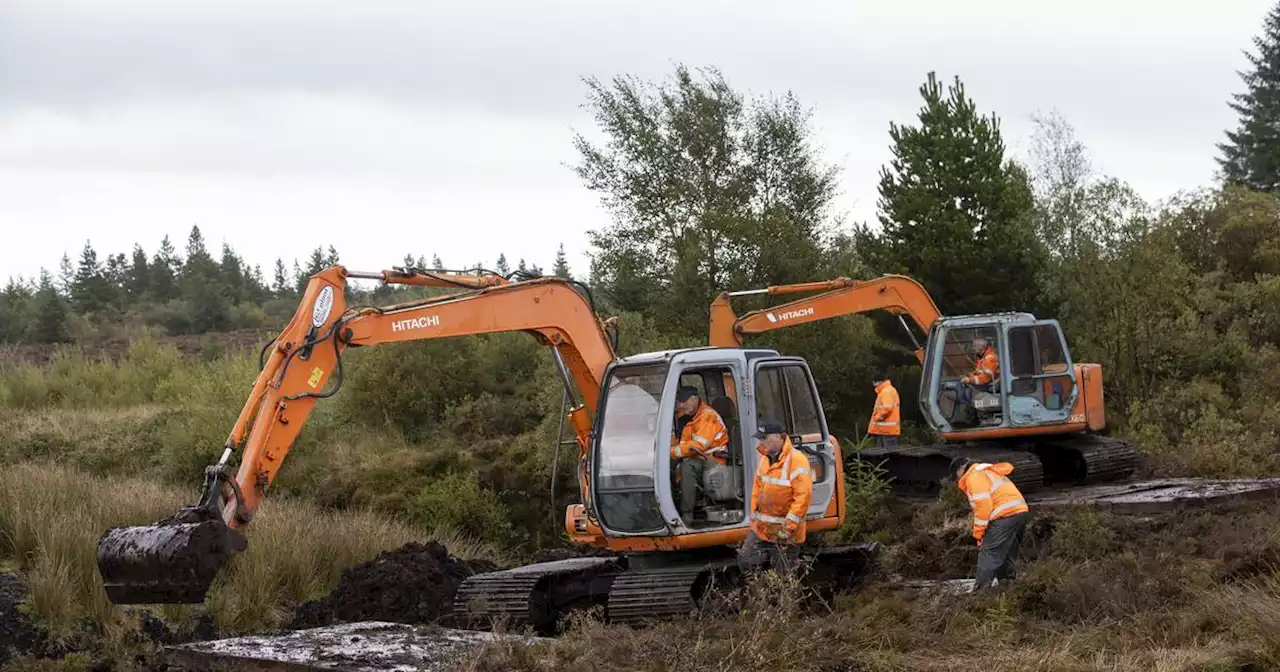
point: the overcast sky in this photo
(392, 126)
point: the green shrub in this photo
(456, 501)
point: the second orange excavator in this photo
(623, 415)
(1036, 408)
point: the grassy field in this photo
(1183, 591)
(412, 451)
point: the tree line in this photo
(182, 293)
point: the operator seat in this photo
(729, 413)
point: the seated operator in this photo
(986, 369)
(703, 437)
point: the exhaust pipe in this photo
(173, 561)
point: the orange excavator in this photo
(622, 413)
(1041, 411)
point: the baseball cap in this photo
(683, 394)
(769, 427)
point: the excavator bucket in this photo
(171, 562)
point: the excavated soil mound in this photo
(412, 584)
(19, 636)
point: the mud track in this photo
(19, 636)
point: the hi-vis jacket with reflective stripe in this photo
(706, 432)
(992, 495)
(781, 494)
(886, 419)
(985, 369)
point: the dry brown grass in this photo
(50, 520)
(1184, 591)
(297, 553)
(51, 517)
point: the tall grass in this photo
(51, 517)
(50, 520)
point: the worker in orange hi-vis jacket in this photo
(987, 368)
(1000, 516)
(780, 496)
(886, 417)
(704, 437)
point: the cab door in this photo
(1042, 386)
(784, 391)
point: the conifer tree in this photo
(1251, 155)
(954, 213)
(139, 278)
(561, 266)
(52, 320)
(90, 290)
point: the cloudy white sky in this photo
(393, 126)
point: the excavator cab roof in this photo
(703, 353)
(982, 319)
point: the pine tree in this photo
(561, 266)
(314, 265)
(15, 310)
(256, 286)
(66, 275)
(52, 322)
(435, 262)
(139, 277)
(202, 287)
(166, 268)
(195, 245)
(954, 213)
(232, 273)
(502, 267)
(1251, 155)
(281, 285)
(117, 277)
(90, 289)
(331, 259)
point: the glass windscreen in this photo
(625, 494)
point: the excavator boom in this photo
(176, 560)
(897, 294)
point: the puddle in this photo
(351, 647)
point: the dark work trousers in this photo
(999, 549)
(755, 552)
(886, 441)
(691, 469)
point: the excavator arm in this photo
(176, 560)
(897, 294)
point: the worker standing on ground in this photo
(1000, 516)
(780, 497)
(703, 437)
(886, 417)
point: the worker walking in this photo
(780, 498)
(886, 417)
(703, 437)
(1000, 516)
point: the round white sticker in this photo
(324, 304)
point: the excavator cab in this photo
(1034, 384)
(636, 484)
